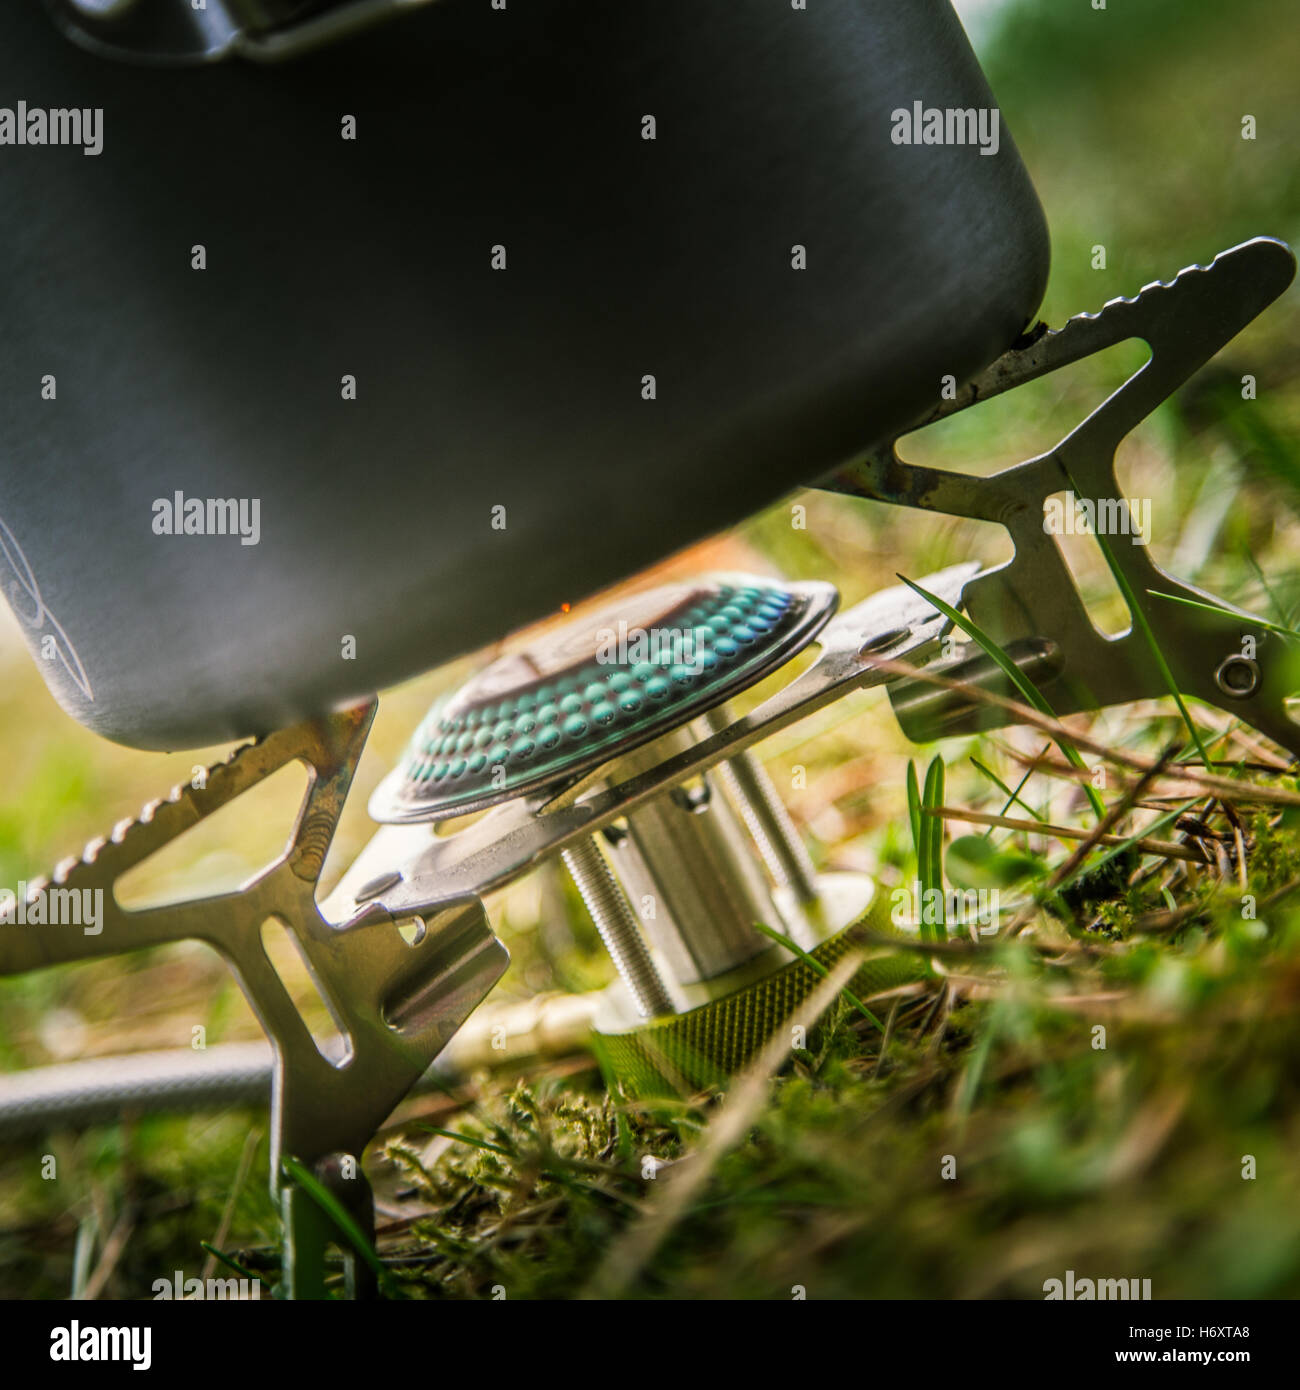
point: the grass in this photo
(956, 1151)
(1012, 672)
(1263, 624)
(838, 1185)
(927, 836)
(1111, 1089)
(796, 950)
(1143, 625)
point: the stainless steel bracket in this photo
(1030, 605)
(395, 1004)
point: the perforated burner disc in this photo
(597, 688)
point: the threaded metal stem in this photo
(769, 823)
(618, 927)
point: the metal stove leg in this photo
(769, 823)
(617, 925)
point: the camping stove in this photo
(681, 882)
(628, 765)
(612, 745)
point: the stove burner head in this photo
(596, 688)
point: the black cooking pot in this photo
(575, 348)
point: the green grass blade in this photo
(473, 1141)
(340, 1215)
(1228, 613)
(1284, 615)
(932, 828)
(1144, 627)
(814, 964)
(236, 1266)
(1028, 690)
(1113, 851)
(1013, 797)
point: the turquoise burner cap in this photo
(596, 688)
